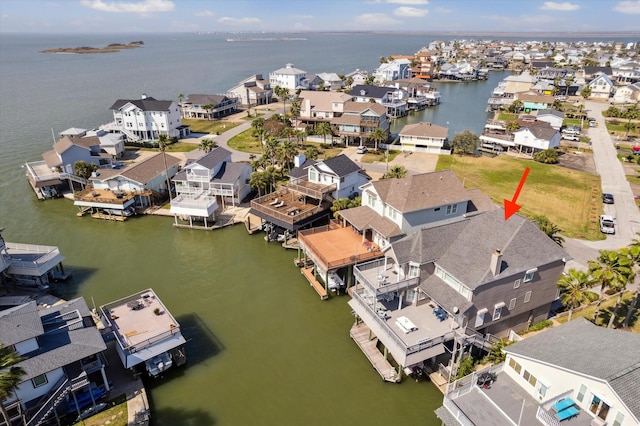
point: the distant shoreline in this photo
(111, 48)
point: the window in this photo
(619, 419)
(452, 208)
(516, 284)
(497, 311)
(512, 304)
(514, 364)
(39, 380)
(312, 175)
(528, 276)
(527, 296)
(526, 375)
(581, 393)
(542, 390)
(480, 317)
(414, 271)
(372, 201)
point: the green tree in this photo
(282, 93)
(207, 145)
(378, 135)
(612, 271)
(573, 289)
(295, 111)
(258, 180)
(163, 141)
(515, 106)
(84, 169)
(633, 252)
(349, 82)
(312, 153)
(286, 152)
(395, 172)
(512, 126)
(549, 228)
(467, 365)
(369, 80)
(496, 355)
(631, 113)
(10, 374)
(585, 92)
(207, 108)
(324, 129)
(465, 142)
(548, 156)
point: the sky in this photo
(157, 16)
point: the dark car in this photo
(607, 198)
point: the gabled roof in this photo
(522, 244)
(364, 217)
(531, 97)
(321, 100)
(340, 165)
(370, 91)
(540, 129)
(602, 77)
(146, 104)
(198, 99)
(585, 348)
(361, 107)
(20, 323)
(214, 157)
(553, 112)
(66, 142)
(148, 169)
(424, 129)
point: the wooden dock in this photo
(105, 216)
(360, 334)
(317, 286)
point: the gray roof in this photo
(364, 217)
(371, 91)
(522, 244)
(214, 157)
(199, 99)
(540, 129)
(20, 323)
(340, 165)
(582, 347)
(229, 172)
(146, 104)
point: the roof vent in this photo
(496, 262)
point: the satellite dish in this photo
(455, 310)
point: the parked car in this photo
(567, 137)
(361, 149)
(607, 198)
(606, 224)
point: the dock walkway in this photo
(317, 286)
(360, 334)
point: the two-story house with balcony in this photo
(425, 65)
(391, 209)
(254, 90)
(576, 373)
(289, 77)
(461, 280)
(322, 107)
(601, 87)
(208, 107)
(205, 180)
(146, 119)
(506, 92)
(420, 93)
(393, 99)
(392, 70)
(425, 137)
(359, 120)
(357, 76)
(62, 353)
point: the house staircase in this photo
(75, 178)
(130, 135)
(57, 397)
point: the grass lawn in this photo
(372, 157)
(245, 142)
(176, 147)
(606, 309)
(569, 198)
(114, 416)
(209, 126)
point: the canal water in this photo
(262, 348)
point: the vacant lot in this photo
(569, 198)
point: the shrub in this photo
(540, 325)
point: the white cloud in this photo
(414, 2)
(551, 5)
(238, 21)
(410, 12)
(145, 6)
(534, 22)
(378, 20)
(204, 13)
(628, 7)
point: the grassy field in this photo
(176, 147)
(245, 142)
(569, 198)
(606, 309)
(114, 416)
(209, 126)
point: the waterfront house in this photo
(308, 196)
(420, 93)
(139, 185)
(205, 180)
(253, 90)
(148, 337)
(146, 119)
(535, 102)
(110, 143)
(359, 120)
(392, 70)
(208, 107)
(424, 137)
(62, 352)
(393, 99)
(326, 80)
(318, 107)
(289, 78)
(626, 71)
(425, 65)
(576, 370)
(30, 265)
(601, 87)
(358, 76)
(506, 92)
(462, 281)
(532, 137)
(391, 209)
(551, 116)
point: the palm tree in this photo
(323, 129)
(378, 135)
(162, 146)
(282, 93)
(207, 145)
(180, 98)
(286, 151)
(395, 172)
(294, 109)
(573, 289)
(632, 113)
(270, 149)
(258, 180)
(496, 355)
(550, 229)
(612, 270)
(311, 153)
(10, 374)
(208, 108)
(634, 254)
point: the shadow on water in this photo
(180, 416)
(71, 288)
(202, 344)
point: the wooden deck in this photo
(360, 334)
(317, 286)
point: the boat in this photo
(95, 409)
(85, 398)
(158, 364)
(335, 282)
(129, 211)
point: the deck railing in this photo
(304, 242)
(382, 287)
(50, 253)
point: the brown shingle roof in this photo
(424, 129)
(146, 170)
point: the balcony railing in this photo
(379, 287)
(50, 253)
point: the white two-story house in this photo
(289, 77)
(394, 70)
(254, 90)
(146, 119)
(204, 181)
(425, 137)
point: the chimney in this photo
(299, 160)
(144, 96)
(496, 262)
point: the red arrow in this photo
(510, 207)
